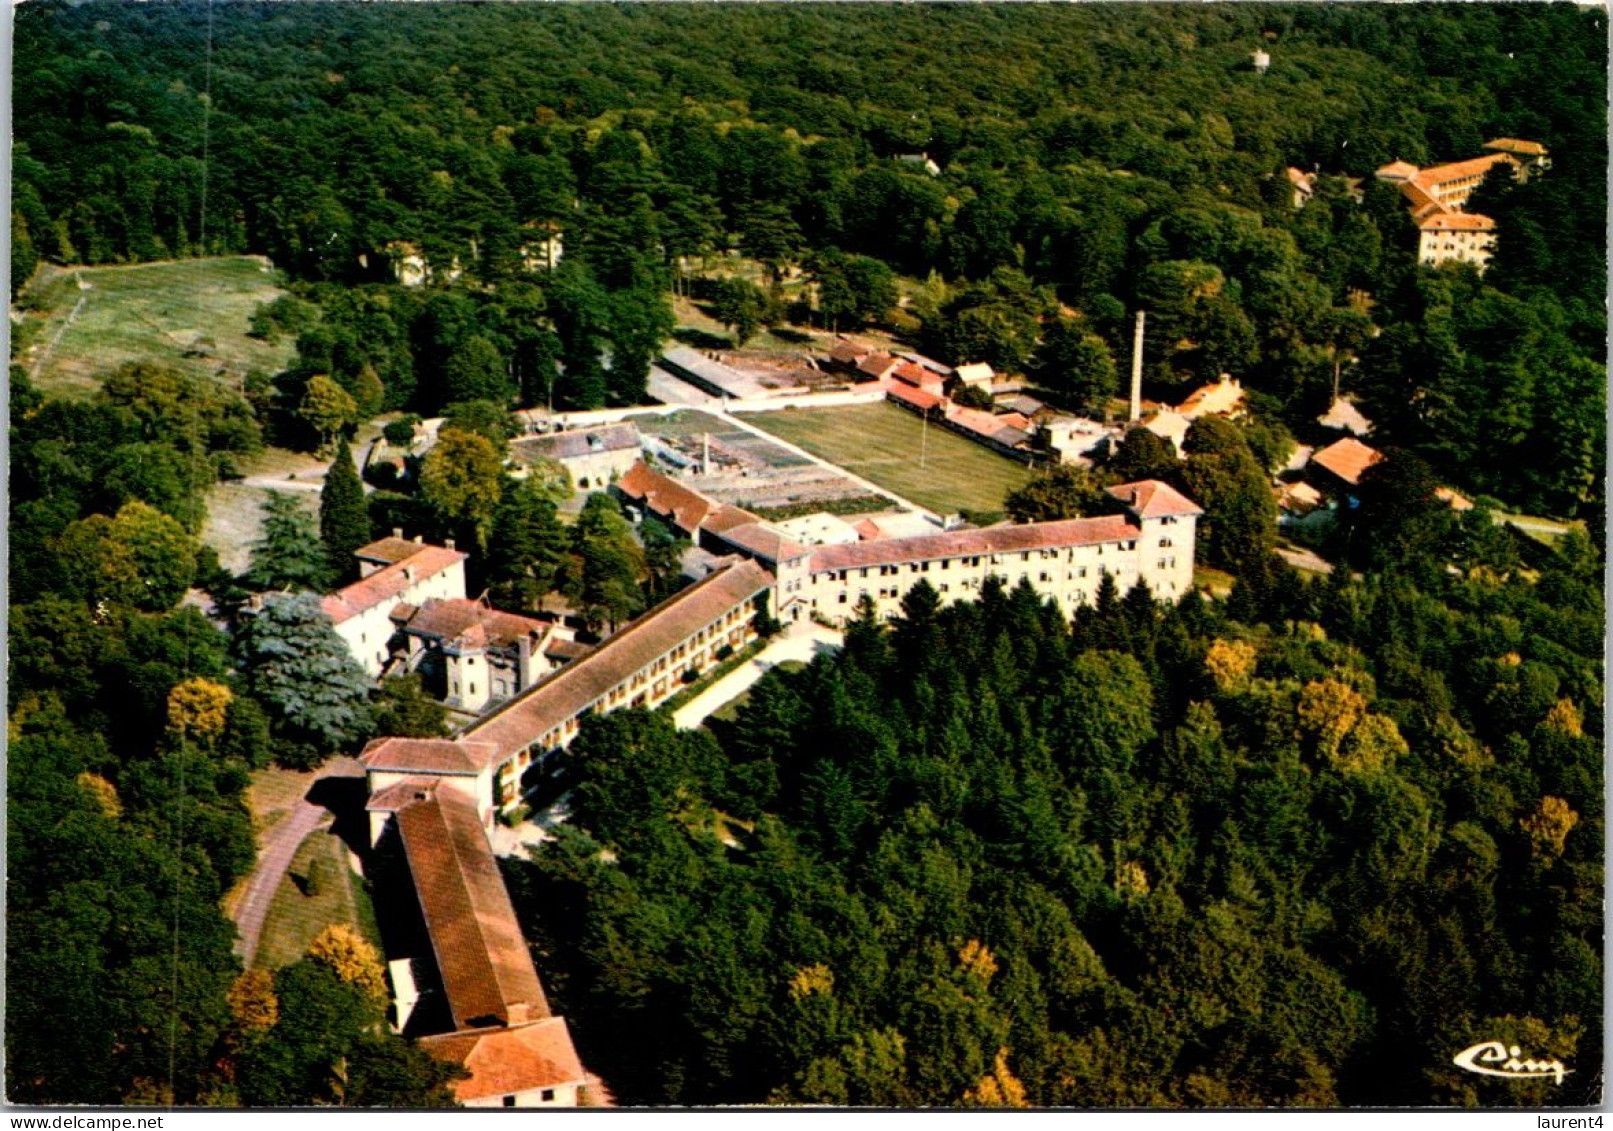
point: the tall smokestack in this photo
(1137, 371)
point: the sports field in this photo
(888, 446)
(190, 313)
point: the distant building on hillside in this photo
(1337, 468)
(1438, 196)
(920, 160)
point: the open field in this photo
(882, 443)
(193, 314)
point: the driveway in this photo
(800, 642)
(275, 852)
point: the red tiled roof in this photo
(1015, 420)
(1397, 170)
(390, 582)
(558, 649)
(916, 375)
(987, 425)
(1436, 175)
(457, 618)
(1516, 145)
(877, 364)
(1149, 498)
(665, 497)
(917, 398)
(726, 517)
(486, 969)
(968, 543)
(1456, 222)
(388, 550)
(502, 1062)
(1347, 458)
(1422, 203)
(762, 540)
(402, 793)
(568, 692)
(426, 755)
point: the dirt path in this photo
(275, 852)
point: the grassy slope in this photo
(882, 443)
(192, 313)
(295, 917)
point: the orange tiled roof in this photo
(402, 793)
(425, 755)
(390, 582)
(1397, 170)
(762, 540)
(456, 619)
(967, 543)
(569, 691)
(917, 398)
(502, 1062)
(1149, 498)
(1347, 459)
(918, 376)
(1516, 145)
(388, 550)
(726, 517)
(665, 496)
(486, 969)
(877, 364)
(1456, 222)
(1436, 175)
(1422, 202)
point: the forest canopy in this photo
(1296, 845)
(1140, 164)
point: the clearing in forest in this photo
(888, 446)
(194, 314)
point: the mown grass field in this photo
(319, 889)
(883, 443)
(193, 314)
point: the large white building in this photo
(1065, 561)
(393, 571)
(1438, 198)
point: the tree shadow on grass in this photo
(345, 798)
(701, 340)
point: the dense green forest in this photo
(1297, 850)
(1137, 164)
(1297, 846)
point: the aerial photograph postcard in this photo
(912, 556)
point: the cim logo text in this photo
(1494, 1058)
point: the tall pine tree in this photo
(344, 521)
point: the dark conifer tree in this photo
(344, 523)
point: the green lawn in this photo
(192, 314)
(318, 890)
(888, 446)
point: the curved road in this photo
(275, 852)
